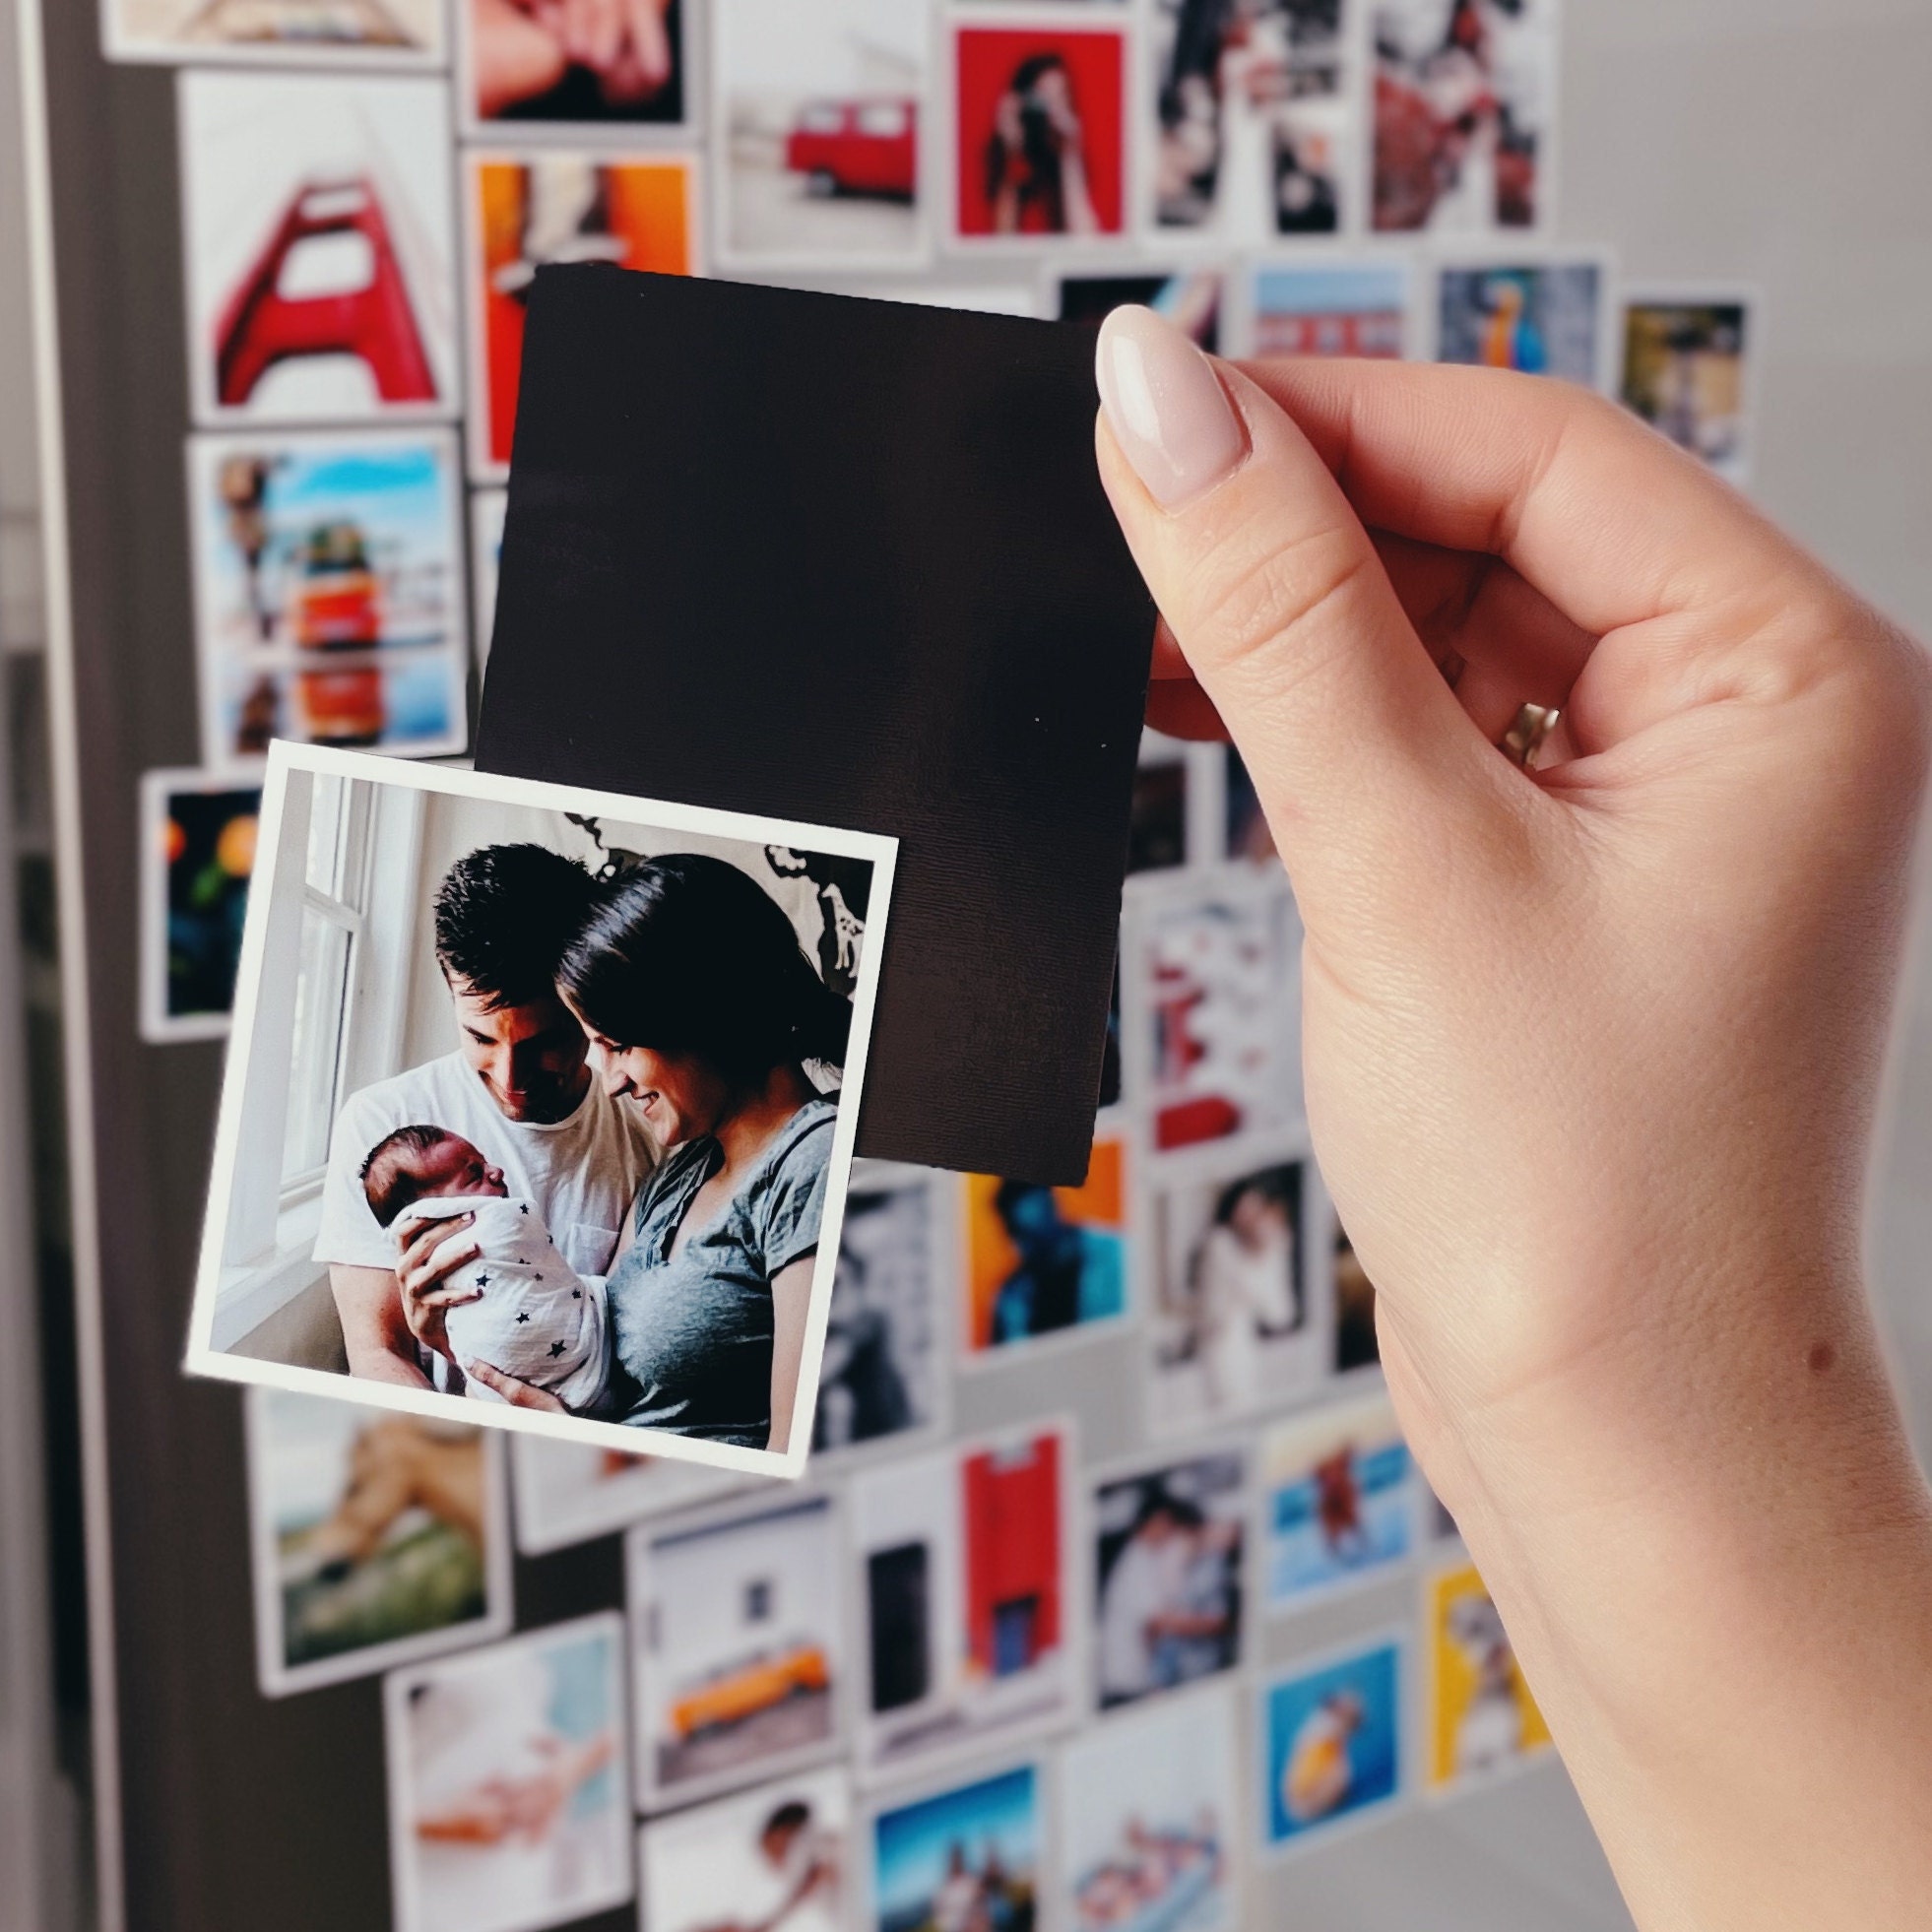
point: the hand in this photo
(518, 1393)
(431, 1251)
(1591, 1058)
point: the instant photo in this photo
(962, 1559)
(508, 1806)
(321, 259)
(1169, 1549)
(319, 32)
(1149, 1822)
(1464, 97)
(198, 839)
(783, 1858)
(740, 1633)
(526, 67)
(1252, 127)
(329, 605)
(822, 145)
(377, 1539)
(1340, 1501)
(567, 1493)
(1234, 1324)
(1479, 1720)
(453, 1055)
(631, 209)
(1331, 1744)
(1040, 140)
(1685, 373)
(1210, 1013)
(823, 585)
(969, 1857)
(1538, 318)
(885, 1378)
(1329, 309)
(1046, 1263)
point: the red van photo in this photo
(856, 147)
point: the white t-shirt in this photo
(1145, 1583)
(583, 1172)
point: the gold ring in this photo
(1525, 739)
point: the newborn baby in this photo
(535, 1317)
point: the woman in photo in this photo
(1036, 161)
(701, 1009)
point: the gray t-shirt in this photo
(693, 1330)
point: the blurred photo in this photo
(1340, 1498)
(1250, 116)
(634, 210)
(508, 1805)
(555, 1089)
(1189, 299)
(821, 110)
(962, 1557)
(1464, 91)
(1168, 1547)
(320, 249)
(560, 63)
(487, 508)
(567, 1493)
(1685, 375)
(377, 1538)
(777, 1859)
(1041, 131)
(1480, 1721)
(1211, 1033)
(1331, 1743)
(1149, 1822)
(883, 1374)
(1357, 1344)
(1233, 1328)
(1046, 1260)
(1329, 309)
(1537, 318)
(739, 1628)
(329, 605)
(359, 33)
(962, 1861)
(198, 832)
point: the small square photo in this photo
(1331, 1743)
(322, 33)
(1539, 318)
(1329, 309)
(539, 1109)
(198, 833)
(1480, 1721)
(508, 1806)
(531, 64)
(1685, 372)
(970, 1856)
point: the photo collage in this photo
(971, 1672)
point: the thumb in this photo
(1361, 756)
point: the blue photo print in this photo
(968, 1857)
(1331, 1738)
(1543, 318)
(1339, 1493)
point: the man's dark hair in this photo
(388, 1185)
(505, 915)
(791, 1816)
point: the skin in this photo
(524, 49)
(397, 1464)
(684, 1098)
(530, 1062)
(1592, 1057)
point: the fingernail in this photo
(1166, 407)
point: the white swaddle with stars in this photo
(537, 1319)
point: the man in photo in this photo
(1167, 1605)
(517, 1088)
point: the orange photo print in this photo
(562, 206)
(1041, 1261)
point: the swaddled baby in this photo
(535, 1316)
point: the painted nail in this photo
(1166, 407)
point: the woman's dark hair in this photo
(687, 954)
(1042, 179)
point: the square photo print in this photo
(378, 1538)
(1040, 135)
(320, 240)
(777, 1859)
(1685, 372)
(508, 1806)
(540, 1110)
(739, 1628)
(198, 832)
(542, 67)
(1149, 1822)
(968, 1857)
(1329, 308)
(821, 112)
(321, 32)
(1538, 318)
(329, 592)
(1480, 1721)
(1330, 1736)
